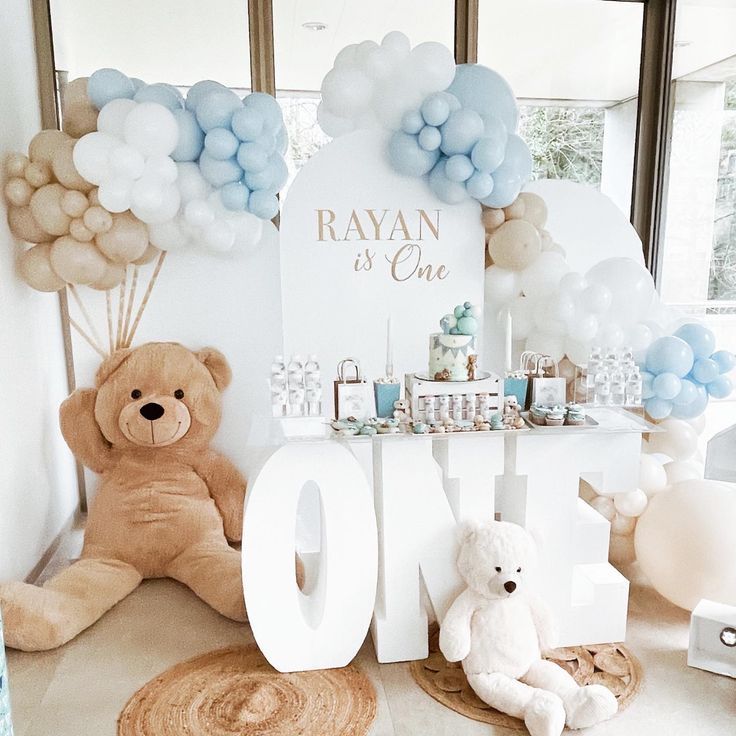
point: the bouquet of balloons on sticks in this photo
(136, 171)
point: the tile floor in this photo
(80, 689)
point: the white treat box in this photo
(713, 638)
(484, 392)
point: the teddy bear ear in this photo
(217, 365)
(467, 530)
(111, 364)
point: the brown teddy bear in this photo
(166, 505)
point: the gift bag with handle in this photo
(517, 382)
(353, 396)
(548, 390)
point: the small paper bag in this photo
(548, 390)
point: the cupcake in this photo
(555, 417)
(538, 414)
(575, 415)
(497, 421)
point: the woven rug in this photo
(612, 665)
(235, 692)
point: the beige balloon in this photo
(18, 191)
(516, 210)
(79, 115)
(150, 253)
(74, 203)
(535, 209)
(98, 219)
(44, 145)
(492, 218)
(64, 170)
(94, 198)
(79, 231)
(515, 245)
(126, 240)
(15, 164)
(77, 263)
(112, 277)
(37, 174)
(24, 226)
(47, 211)
(34, 267)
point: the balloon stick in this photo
(85, 314)
(108, 302)
(121, 309)
(146, 297)
(131, 299)
(86, 337)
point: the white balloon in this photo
(378, 64)
(392, 98)
(610, 335)
(397, 44)
(546, 318)
(652, 477)
(91, 156)
(543, 276)
(147, 194)
(219, 236)
(546, 343)
(248, 230)
(572, 282)
(578, 352)
(152, 129)
(604, 506)
(596, 298)
(191, 183)
(501, 285)
(697, 423)
(199, 213)
(126, 161)
(583, 327)
(346, 57)
(639, 337)
(115, 194)
(632, 503)
(679, 441)
(112, 116)
(346, 91)
(631, 285)
(168, 235)
(164, 211)
(161, 167)
(522, 317)
(333, 125)
(680, 470)
(432, 65)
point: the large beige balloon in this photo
(492, 218)
(18, 191)
(24, 226)
(515, 245)
(64, 170)
(47, 211)
(151, 252)
(79, 115)
(535, 209)
(44, 145)
(125, 241)
(685, 542)
(97, 219)
(35, 269)
(112, 277)
(15, 164)
(77, 263)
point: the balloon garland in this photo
(137, 171)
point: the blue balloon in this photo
(726, 360)
(488, 153)
(408, 157)
(493, 127)
(688, 393)
(264, 205)
(218, 173)
(435, 109)
(106, 85)
(429, 138)
(221, 143)
(512, 174)
(200, 90)
(268, 107)
(235, 196)
(163, 94)
(666, 386)
(705, 370)
(448, 191)
(695, 408)
(252, 157)
(282, 141)
(647, 390)
(720, 388)
(506, 188)
(479, 185)
(699, 338)
(267, 141)
(670, 354)
(247, 123)
(462, 130)
(658, 408)
(271, 179)
(412, 122)
(459, 168)
(137, 83)
(481, 89)
(191, 137)
(216, 109)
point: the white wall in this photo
(37, 477)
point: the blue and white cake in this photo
(453, 354)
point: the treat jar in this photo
(6, 727)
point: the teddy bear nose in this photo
(152, 411)
(509, 586)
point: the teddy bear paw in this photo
(545, 714)
(589, 705)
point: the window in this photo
(574, 66)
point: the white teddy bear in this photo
(498, 631)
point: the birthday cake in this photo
(452, 353)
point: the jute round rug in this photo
(612, 665)
(235, 692)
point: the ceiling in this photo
(578, 50)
